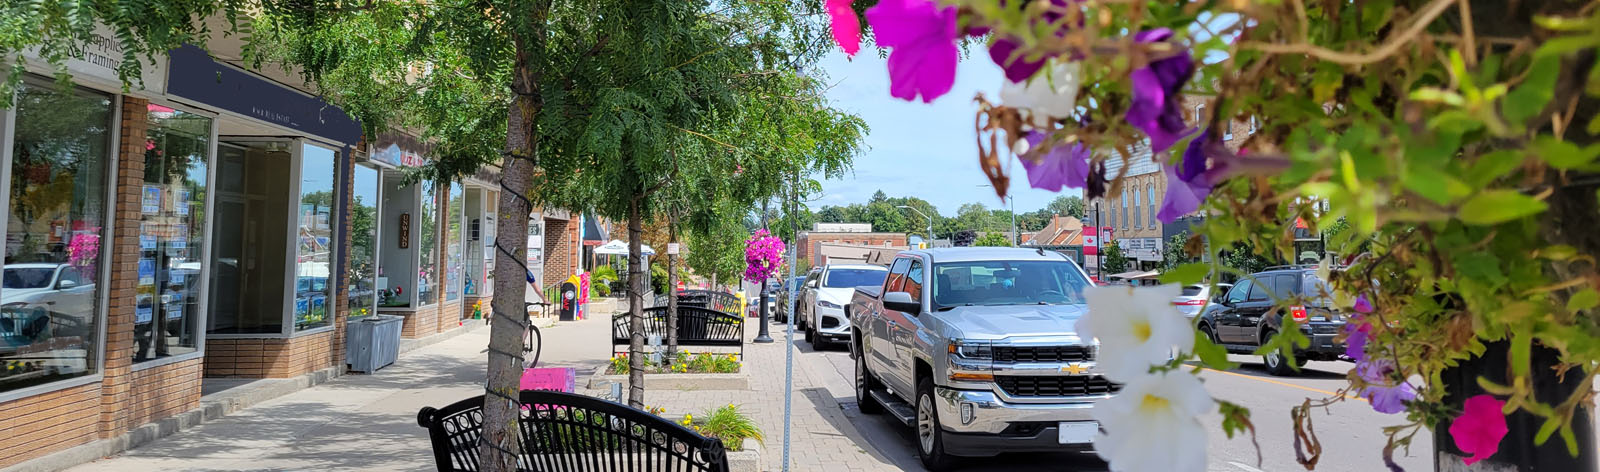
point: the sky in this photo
(920, 150)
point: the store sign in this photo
(97, 60)
(195, 76)
(1144, 249)
(672, 248)
(405, 231)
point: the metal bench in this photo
(697, 326)
(721, 301)
(571, 432)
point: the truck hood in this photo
(13, 295)
(996, 322)
(836, 295)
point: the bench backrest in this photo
(571, 432)
(721, 301)
(696, 325)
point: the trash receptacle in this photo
(372, 342)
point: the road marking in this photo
(1244, 467)
(1285, 384)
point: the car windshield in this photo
(1193, 290)
(845, 278)
(795, 283)
(1007, 283)
(32, 277)
(1316, 291)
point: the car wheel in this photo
(1206, 330)
(811, 338)
(1277, 364)
(930, 446)
(865, 384)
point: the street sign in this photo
(672, 248)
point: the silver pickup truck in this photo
(975, 348)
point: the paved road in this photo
(1350, 432)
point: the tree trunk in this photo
(509, 315)
(672, 290)
(636, 289)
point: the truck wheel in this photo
(865, 384)
(930, 446)
(1277, 364)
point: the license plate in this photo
(1077, 432)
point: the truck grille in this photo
(1056, 386)
(1043, 354)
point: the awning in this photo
(1135, 275)
(617, 247)
(593, 234)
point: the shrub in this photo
(731, 426)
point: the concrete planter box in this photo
(735, 381)
(746, 460)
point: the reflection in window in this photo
(314, 238)
(362, 268)
(171, 234)
(55, 214)
(452, 255)
(427, 278)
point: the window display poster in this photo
(180, 203)
(151, 201)
(180, 237)
(147, 237)
(147, 272)
(144, 312)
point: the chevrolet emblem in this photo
(1075, 369)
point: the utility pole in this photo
(1099, 255)
(788, 348)
(930, 222)
(764, 336)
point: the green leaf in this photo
(1492, 166)
(1498, 206)
(1211, 354)
(1521, 351)
(1191, 273)
(1535, 91)
(1583, 300)
(1566, 44)
(1235, 419)
(1562, 154)
(1572, 441)
(1550, 426)
(1560, 23)
(1436, 95)
(1435, 185)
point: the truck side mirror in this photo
(902, 302)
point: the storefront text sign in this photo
(195, 76)
(405, 230)
(97, 60)
(672, 248)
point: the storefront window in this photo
(249, 246)
(314, 236)
(362, 269)
(172, 225)
(456, 207)
(55, 217)
(426, 276)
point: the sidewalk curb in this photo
(212, 407)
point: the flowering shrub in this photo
(726, 423)
(763, 253)
(1449, 157)
(84, 250)
(683, 363)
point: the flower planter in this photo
(747, 459)
(675, 381)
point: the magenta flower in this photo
(1355, 345)
(1156, 106)
(1066, 165)
(1363, 305)
(1017, 69)
(763, 254)
(1480, 428)
(922, 38)
(846, 26)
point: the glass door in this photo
(362, 270)
(313, 236)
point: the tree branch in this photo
(1428, 14)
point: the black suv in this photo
(1245, 317)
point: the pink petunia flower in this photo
(1480, 428)
(921, 36)
(846, 26)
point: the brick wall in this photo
(124, 260)
(271, 358)
(41, 424)
(558, 247)
(162, 392)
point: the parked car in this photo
(793, 286)
(1194, 298)
(821, 311)
(43, 300)
(1245, 316)
(976, 349)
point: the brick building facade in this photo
(811, 242)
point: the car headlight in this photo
(982, 350)
(828, 304)
(971, 361)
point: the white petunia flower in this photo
(1152, 425)
(1136, 327)
(1045, 97)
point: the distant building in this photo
(842, 227)
(857, 235)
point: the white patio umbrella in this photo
(617, 247)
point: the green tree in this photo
(1115, 261)
(1067, 205)
(1243, 259)
(1173, 254)
(993, 240)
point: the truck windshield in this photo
(28, 277)
(1007, 283)
(845, 278)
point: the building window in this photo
(1199, 114)
(172, 219)
(362, 270)
(427, 277)
(1150, 197)
(1253, 125)
(1133, 201)
(314, 254)
(56, 215)
(456, 206)
(1125, 209)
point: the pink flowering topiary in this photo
(763, 253)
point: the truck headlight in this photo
(977, 350)
(971, 361)
(828, 304)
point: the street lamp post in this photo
(1011, 204)
(930, 222)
